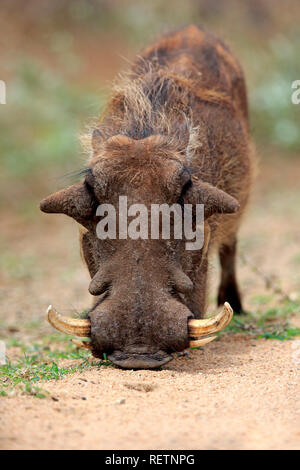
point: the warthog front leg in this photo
(228, 289)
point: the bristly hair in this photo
(146, 104)
(74, 176)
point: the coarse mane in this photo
(154, 101)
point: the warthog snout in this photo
(135, 333)
(108, 338)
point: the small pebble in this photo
(121, 401)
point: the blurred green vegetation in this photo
(270, 323)
(51, 96)
(40, 362)
(39, 127)
(275, 120)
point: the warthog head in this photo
(142, 286)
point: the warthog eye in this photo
(89, 179)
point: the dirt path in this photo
(237, 394)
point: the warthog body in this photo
(175, 130)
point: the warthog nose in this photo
(139, 361)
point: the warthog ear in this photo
(77, 201)
(215, 200)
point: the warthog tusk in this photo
(207, 326)
(81, 344)
(71, 326)
(195, 343)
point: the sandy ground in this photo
(237, 393)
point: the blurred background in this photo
(58, 60)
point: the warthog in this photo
(175, 131)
